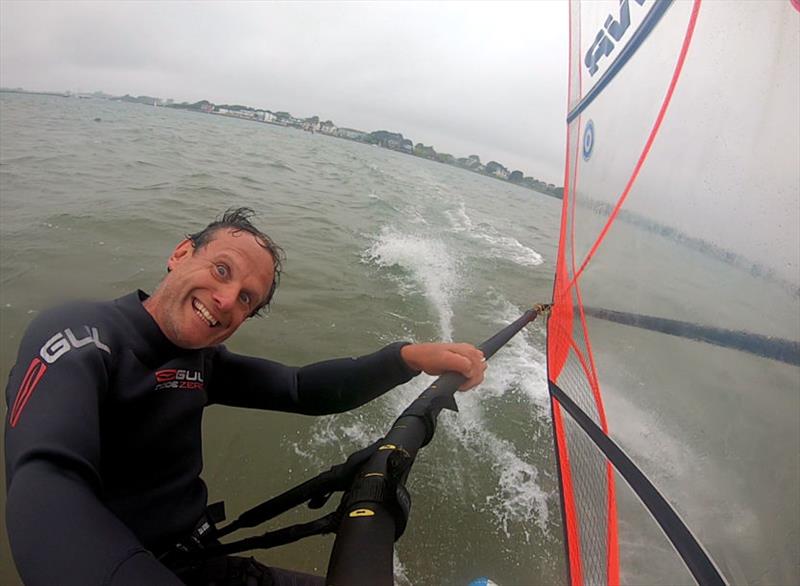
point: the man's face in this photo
(210, 291)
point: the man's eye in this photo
(245, 298)
(222, 270)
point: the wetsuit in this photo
(103, 436)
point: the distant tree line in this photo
(383, 138)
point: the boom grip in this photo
(376, 507)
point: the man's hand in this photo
(465, 359)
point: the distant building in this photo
(496, 169)
(391, 140)
(207, 107)
(352, 134)
(328, 127)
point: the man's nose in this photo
(225, 297)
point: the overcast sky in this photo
(468, 78)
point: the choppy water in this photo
(381, 246)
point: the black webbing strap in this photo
(322, 526)
(316, 491)
(692, 553)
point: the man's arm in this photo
(59, 531)
(438, 358)
(338, 385)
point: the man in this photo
(103, 438)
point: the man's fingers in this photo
(435, 359)
(478, 368)
(472, 382)
(469, 351)
(459, 363)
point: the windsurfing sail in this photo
(674, 337)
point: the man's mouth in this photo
(203, 312)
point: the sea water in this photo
(381, 246)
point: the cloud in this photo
(482, 78)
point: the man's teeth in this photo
(204, 313)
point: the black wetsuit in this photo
(103, 436)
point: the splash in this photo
(499, 245)
(427, 263)
(520, 364)
(518, 368)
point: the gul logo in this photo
(65, 341)
(178, 378)
(603, 45)
(53, 349)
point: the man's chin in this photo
(192, 340)
(202, 341)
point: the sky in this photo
(468, 78)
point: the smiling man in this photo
(105, 403)
(217, 279)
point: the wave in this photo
(153, 187)
(427, 263)
(500, 246)
(519, 368)
(279, 165)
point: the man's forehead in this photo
(238, 242)
(244, 251)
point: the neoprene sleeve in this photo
(59, 530)
(104, 435)
(332, 386)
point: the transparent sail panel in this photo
(646, 556)
(676, 321)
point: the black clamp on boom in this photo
(386, 487)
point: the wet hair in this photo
(238, 220)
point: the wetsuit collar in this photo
(150, 341)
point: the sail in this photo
(674, 339)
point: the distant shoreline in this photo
(21, 91)
(389, 140)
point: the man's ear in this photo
(184, 250)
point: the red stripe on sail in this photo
(559, 340)
(570, 512)
(559, 324)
